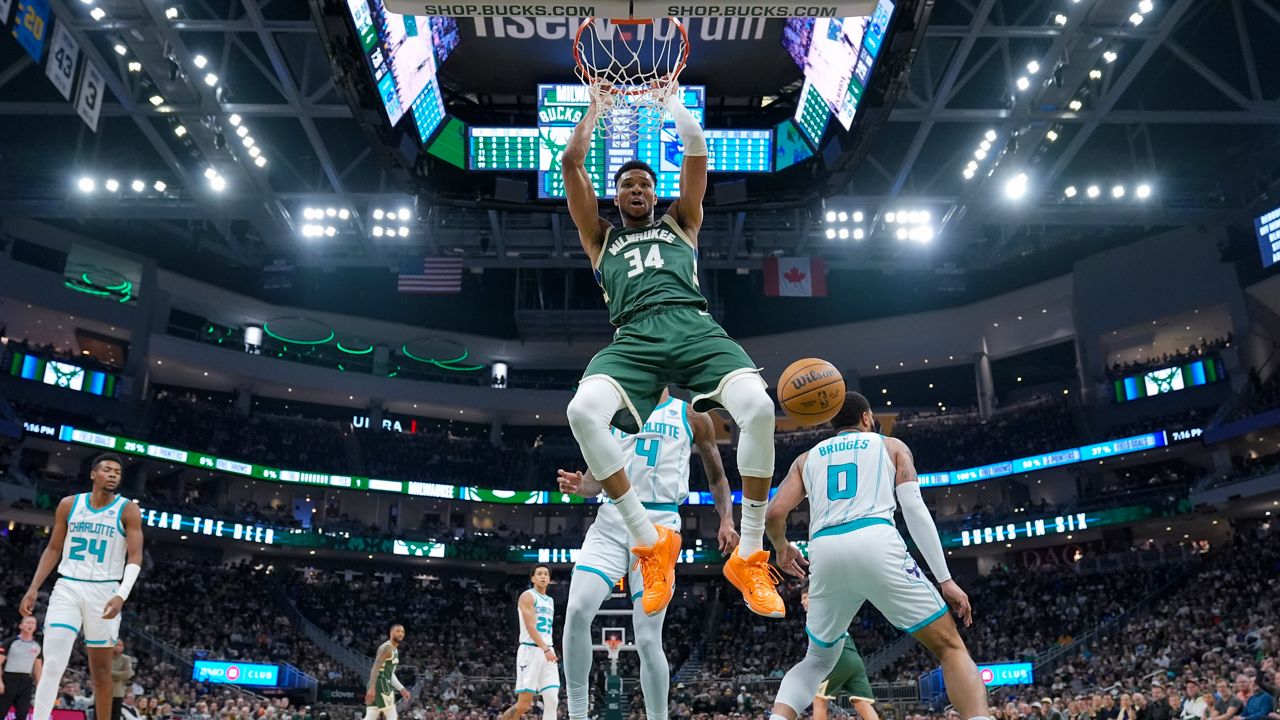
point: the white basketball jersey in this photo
(94, 549)
(849, 479)
(544, 613)
(658, 455)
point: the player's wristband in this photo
(131, 573)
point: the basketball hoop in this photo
(631, 67)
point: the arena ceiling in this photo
(1186, 102)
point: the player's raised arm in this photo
(584, 208)
(687, 209)
(789, 496)
(704, 440)
(922, 528)
(50, 557)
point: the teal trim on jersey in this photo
(89, 506)
(850, 526)
(684, 417)
(64, 626)
(595, 571)
(824, 643)
(549, 687)
(98, 642)
(75, 579)
(668, 402)
(636, 596)
(74, 504)
(529, 644)
(926, 621)
(661, 507)
(522, 691)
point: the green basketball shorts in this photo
(668, 345)
(849, 675)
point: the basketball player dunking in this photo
(537, 668)
(648, 272)
(96, 544)
(657, 462)
(858, 555)
(380, 695)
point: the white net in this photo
(631, 67)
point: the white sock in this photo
(58, 644)
(776, 716)
(752, 527)
(643, 533)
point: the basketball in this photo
(811, 391)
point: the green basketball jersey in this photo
(642, 267)
(388, 669)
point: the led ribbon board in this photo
(1006, 674)
(64, 375)
(1046, 526)
(69, 434)
(1170, 379)
(228, 673)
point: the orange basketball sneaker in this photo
(658, 570)
(757, 580)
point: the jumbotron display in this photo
(1170, 379)
(560, 107)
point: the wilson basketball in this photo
(811, 391)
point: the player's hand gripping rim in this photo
(958, 600)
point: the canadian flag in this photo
(795, 277)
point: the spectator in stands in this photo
(1260, 704)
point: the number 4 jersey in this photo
(848, 478)
(641, 267)
(94, 549)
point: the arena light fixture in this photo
(112, 185)
(97, 14)
(247, 140)
(1110, 56)
(377, 214)
(200, 61)
(160, 186)
(180, 131)
(1095, 74)
(857, 216)
(1070, 191)
(1093, 191)
(980, 154)
(991, 135)
(1075, 105)
(137, 186)
(210, 173)
(120, 49)
(156, 100)
(171, 13)
(843, 216)
(330, 231)
(377, 232)
(859, 234)
(404, 231)
(831, 215)
(985, 144)
(1023, 83)
(844, 233)
(218, 183)
(1146, 6)
(1117, 192)
(890, 217)
(260, 161)
(1135, 19)
(135, 66)
(1016, 187)
(1051, 136)
(968, 174)
(210, 79)
(1033, 67)
(242, 131)
(1143, 191)
(403, 214)
(1060, 19)
(344, 214)
(234, 120)
(902, 233)
(255, 151)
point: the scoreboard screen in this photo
(560, 107)
(508, 149)
(1267, 228)
(739, 151)
(812, 113)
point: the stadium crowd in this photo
(1188, 354)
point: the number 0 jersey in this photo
(94, 548)
(642, 267)
(544, 613)
(849, 479)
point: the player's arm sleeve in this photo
(687, 209)
(923, 531)
(395, 683)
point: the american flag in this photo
(430, 276)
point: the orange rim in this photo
(664, 79)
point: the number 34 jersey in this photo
(643, 267)
(94, 549)
(848, 477)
